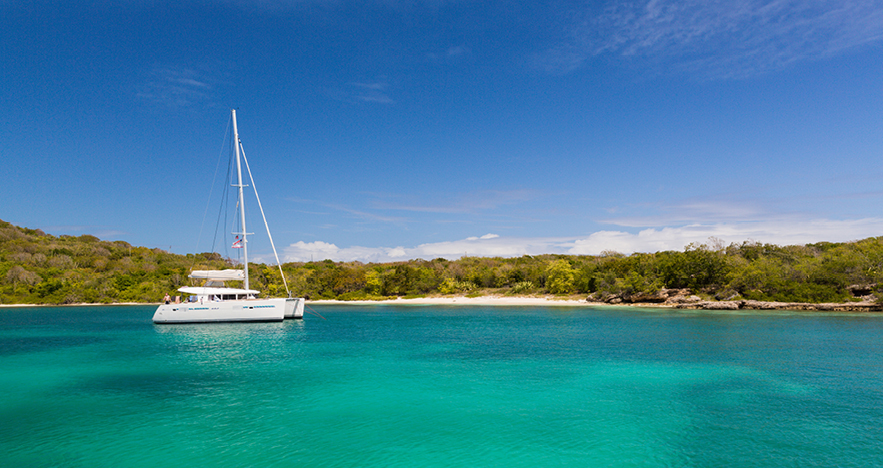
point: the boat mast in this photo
(241, 198)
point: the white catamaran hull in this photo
(251, 310)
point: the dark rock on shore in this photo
(861, 290)
(667, 296)
(763, 305)
(684, 299)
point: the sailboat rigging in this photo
(214, 301)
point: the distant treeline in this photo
(38, 268)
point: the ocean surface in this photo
(442, 386)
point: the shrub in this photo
(452, 286)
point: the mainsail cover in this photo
(219, 275)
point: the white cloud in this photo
(371, 92)
(770, 232)
(176, 86)
(488, 245)
(471, 202)
(647, 240)
(719, 39)
(695, 211)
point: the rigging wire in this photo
(211, 191)
(270, 236)
(223, 208)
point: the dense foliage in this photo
(43, 269)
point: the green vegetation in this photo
(38, 268)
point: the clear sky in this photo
(382, 130)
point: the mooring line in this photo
(314, 312)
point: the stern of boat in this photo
(294, 308)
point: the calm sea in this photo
(430, 386)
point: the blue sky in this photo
(388, 130)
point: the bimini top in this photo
(218, 275)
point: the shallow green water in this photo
(391, 386)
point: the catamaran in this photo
(214, 301)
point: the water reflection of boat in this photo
(215, 301)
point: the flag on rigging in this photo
(238, 243)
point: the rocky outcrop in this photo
(761, 305)
(684, 299)
(865, 292)
(650, 298)
(718, 305)
(861, 290)
(663, 296)
(764, 305)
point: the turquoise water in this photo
(397, 386)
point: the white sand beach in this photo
(481, 300)
(453, 300)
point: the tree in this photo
(18, 275)
(560, 277)
(373, 281)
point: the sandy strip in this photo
(80, 304)
(475, 301)
(452, 300)
(572, 301)
(459, 300)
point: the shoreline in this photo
(746, 305)
(449, 300)
(463, 300)
(79, 304)
(867, 307)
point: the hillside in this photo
(38, 268)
